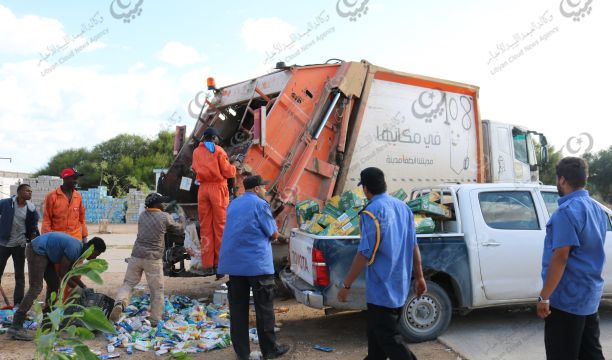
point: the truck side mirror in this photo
(543, 150)
(544, 155)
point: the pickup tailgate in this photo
(300, 256)
(317, 265)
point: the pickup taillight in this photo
(319, 267)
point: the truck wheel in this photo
(426, 317)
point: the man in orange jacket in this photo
(63, 209)
(213, 169)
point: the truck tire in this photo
(427, 317)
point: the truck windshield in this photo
(520, 148)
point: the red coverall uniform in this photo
(212, 171)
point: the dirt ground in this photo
(301, 327)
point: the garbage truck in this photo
(311, 129)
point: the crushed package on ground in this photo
(188, 326)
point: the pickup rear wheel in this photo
(426, 317)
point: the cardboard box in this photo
(352, 199)
(425, 205)
(424, 225)
(400, 194)
(306, 210)
(330, 209)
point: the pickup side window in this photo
(550, 199)
(509, 210)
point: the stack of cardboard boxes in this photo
(100, 206)
(135, 204)
(339, 216)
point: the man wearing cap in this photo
(246, 256)
(146, 257)
(213, 169)
(63, 209)
(389, 249)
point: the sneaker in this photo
(279, 350)
(115, 314)
(20, 334)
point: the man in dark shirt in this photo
(18, 225)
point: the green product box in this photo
(350, 228)
(400, 194)
(329, 209)
(347, 216)
(351, 199)
(324, 219)
(305, 210)
(422, 204)
(425, 225)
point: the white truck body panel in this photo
(418, 136)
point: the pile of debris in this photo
(189, 326)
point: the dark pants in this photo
(238, 298)
(569, 336)
(39, 269)
(18, 254)
(384, 338)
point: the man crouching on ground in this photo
(42, 254)
(146, 257)
(246, 256)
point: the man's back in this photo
(56, 245)
(152, 226)
(246, 249)
(388, 275)
(579, 222)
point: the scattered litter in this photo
(323, 348)
(282, 310)
(255, 355)
(189, 326)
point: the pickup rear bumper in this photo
(304, 293)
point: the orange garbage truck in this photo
(311, 129)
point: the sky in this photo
(73, 74)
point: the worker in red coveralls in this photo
(213, 169)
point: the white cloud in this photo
(79, 107)
(28, 34)
(263, 34)
(179, 54)
(137, 67)
(33, 34)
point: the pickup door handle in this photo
(491, 243)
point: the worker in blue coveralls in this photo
(572, 265)
(389, 249)
(246, 256)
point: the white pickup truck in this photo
(489, 254)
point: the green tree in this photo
(119, 163)
(600, 173)
(548, 175)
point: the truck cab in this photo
(510, 152)
(488, 254)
